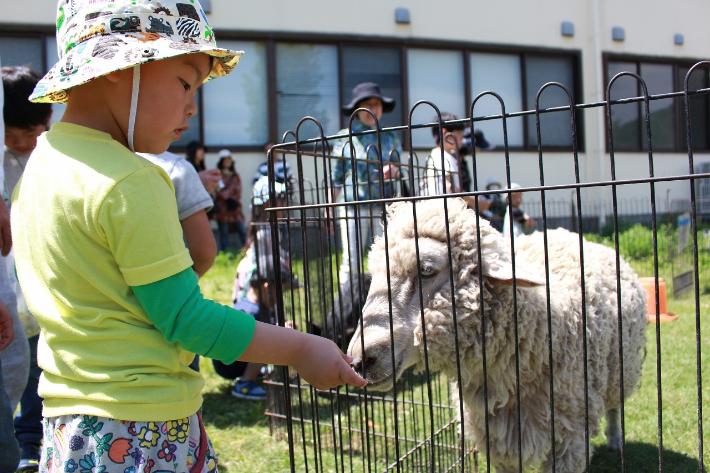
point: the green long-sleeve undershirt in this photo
(178, 310)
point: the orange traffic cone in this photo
(650, 286)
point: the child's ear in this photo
(117, 76)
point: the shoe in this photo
(249, 390)
(28, 465)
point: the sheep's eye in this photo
(427, 271)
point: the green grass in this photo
(241, 432)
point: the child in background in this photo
(8, 325)
(193, 202)
(25, 122)
(522, 222)
(120, 308)
(257, 302)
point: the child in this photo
(258, 303)
(193, 203)
(25, 122)
(8, 323)
(119, 304)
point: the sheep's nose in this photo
(362, 366)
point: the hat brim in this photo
(105, 54)
(388, 103)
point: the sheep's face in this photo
(411, 281)
(407, 275)
(373, 333)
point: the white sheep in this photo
(566, 317)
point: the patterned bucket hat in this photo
(97, 37)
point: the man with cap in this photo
(373, 176)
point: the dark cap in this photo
(368, 90)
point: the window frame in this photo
(676, 64)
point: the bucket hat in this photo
(260, 192)
(98, 37)
(368, 90)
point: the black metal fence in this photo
(504, 372)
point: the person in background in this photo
(257, 302)
(9, 323)
(522, 222)
(448, 179)
(253, 283)
(24, 123)
(195, 155)
(193, 202)
(228, 203)
(370, 179)
(496, 212)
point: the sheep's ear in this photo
(501, 274)
(497, 267)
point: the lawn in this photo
(241, 435)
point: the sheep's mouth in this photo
(387, 381)
(382, 385)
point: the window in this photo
(307, 84)
(22, 51)
(555, 127)
(500, 73)
(659, 80)
(436, 76)
(374, 64)
(625, 120)
(667, 116)
(236, 107)
(699, 108)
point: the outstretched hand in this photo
(324, 366)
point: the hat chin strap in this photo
(134, 106)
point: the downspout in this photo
(599, 150)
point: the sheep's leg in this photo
(569, 458)
(613, 429)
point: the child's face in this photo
(166, 100)
(23, 140)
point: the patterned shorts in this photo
(89, 444)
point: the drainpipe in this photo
(599, 149)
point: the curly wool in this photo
(565, 317)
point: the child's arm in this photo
(5, 234)
(318, 360)
(200, 241)
(180, 312)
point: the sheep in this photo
(375, 362)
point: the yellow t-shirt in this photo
(90, 218)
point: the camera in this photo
(471, 139)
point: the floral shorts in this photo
(88, 444)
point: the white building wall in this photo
(649, 26)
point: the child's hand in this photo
(324, 366)
(6, 329)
